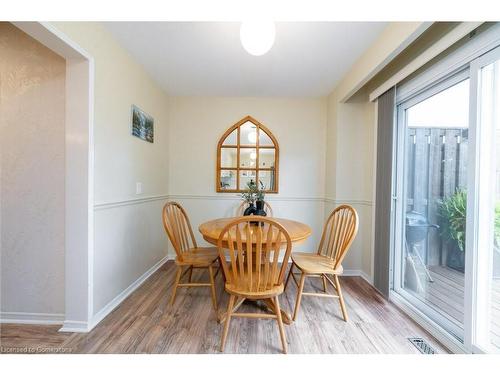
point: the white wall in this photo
(32, 112)
(129, 237)
(299, 125)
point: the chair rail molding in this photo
(127, 202)
(359, 202)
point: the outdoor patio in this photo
(446, 293)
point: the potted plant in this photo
(452, 212)
(249, 196)
(255, 199)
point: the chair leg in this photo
(190, 273)
(177, 279)
(212, 286)
(280, 325)
(221, 269)
(289, 275)
(226, 324)
(324, 282)
(341, 298)
(299, 295)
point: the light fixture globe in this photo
(252, 137)
(257, 37)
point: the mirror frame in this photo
(238, 147)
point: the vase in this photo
(250, 210)
(259, 209)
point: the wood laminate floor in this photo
(146, 323)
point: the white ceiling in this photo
(207, 59)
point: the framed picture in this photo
(142, 124)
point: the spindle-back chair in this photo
(188, 255)
(254, 264)
(339, 231)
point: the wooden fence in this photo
(437, 160)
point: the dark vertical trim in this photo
(383, 195)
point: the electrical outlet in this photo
(138, 188)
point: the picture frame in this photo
(142, 124)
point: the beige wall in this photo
(326, 152)
(129, 237)
(120, 159)
(351, 137)
(32, 113)
(299, 125)
(198, 123)
(350, 179)
(393, 39)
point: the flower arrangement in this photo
(253, 193)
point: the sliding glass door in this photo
(433, 131)
(446, 247)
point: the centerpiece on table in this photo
(254, 197)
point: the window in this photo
(247, 152)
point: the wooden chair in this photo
(252, 267)
(189, 255)
(244, 205)
(338, 233)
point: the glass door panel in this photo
(434, 142)
(488, 225)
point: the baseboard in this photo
(359, 273)
(113, 304)
(366, 277)
(75, 326)
(439, 334)
(31, 318)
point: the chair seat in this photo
(199, 256)
(315, 264)
(254, 291)
(268, 293)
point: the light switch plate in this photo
(138, 188)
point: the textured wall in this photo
(32, 105)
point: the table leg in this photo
(287, 319)
(222, 316)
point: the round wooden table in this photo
(212, 229)
(298, 232)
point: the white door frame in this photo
(479, 225)
(79, 173)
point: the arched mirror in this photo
(246, 152)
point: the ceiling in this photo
(207, 59)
